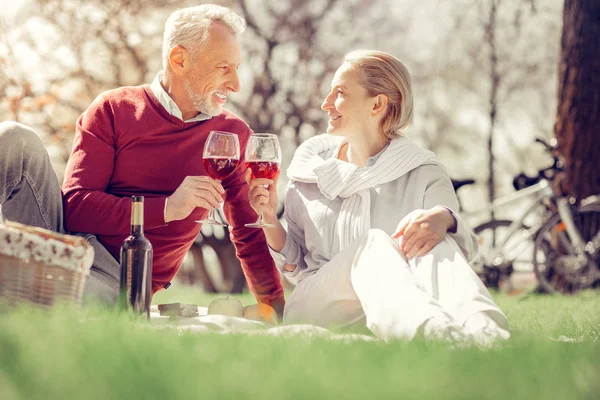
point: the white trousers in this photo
(373, 283)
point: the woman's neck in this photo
(358, 150)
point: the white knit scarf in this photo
(315, 161)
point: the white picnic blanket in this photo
(205, 323)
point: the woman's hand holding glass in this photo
(263, 156)
(262, 195)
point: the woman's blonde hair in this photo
(382, 73)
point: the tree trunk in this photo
(490, 37)
(577, 126)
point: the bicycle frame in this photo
(564, 210)
(540, 190)
(542, 187)
(581, 249)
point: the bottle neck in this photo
(137, 230)
(137, 218)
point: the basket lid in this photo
(42, 245)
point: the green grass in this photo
(98, 354)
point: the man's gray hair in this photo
(188, 27)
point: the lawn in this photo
(99, 354)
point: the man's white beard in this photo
(203, 105)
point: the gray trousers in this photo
(30, 194)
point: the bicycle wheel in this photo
(516, 251)
(555, 261)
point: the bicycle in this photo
(457, 184)
(551, 236)
(492, 273)
(566, 256)
(504, 246)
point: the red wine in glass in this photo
(263, 156)
(263, 169)
(219, 168)
(220, 157)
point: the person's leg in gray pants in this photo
(30, 194)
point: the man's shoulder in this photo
(231, 121)
(125, 100)
(125, 94)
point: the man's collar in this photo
(167, 102)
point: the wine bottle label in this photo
(137, 213)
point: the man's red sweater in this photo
(127, 144)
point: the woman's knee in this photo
(448, 246)
(379, 243)
(447, 251)
(377, 234)
(379, 237)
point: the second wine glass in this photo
(263, 156)
(220, 157)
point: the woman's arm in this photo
(441, 193)
(423, 229)
(275, 236)
(262, 195)
(287, 246)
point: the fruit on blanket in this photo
(261, 312)
(228, 306)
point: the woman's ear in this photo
(380, 105)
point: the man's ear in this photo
(179, 59)
(380, 105)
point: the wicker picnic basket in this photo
(41, 267)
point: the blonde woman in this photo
(371, 235)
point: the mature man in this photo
(147, 140)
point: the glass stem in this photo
(261, 216)
(211, 213)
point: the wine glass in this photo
(263, 157)
(220, 157)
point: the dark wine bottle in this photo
(136, 264)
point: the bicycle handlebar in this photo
(522, 180)
(553, 145)
(458, 183)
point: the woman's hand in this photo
(422, 230)
(263, 195)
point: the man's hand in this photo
(279, 305)
(422, 230)
(194, 191)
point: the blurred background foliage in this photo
(484, 75)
